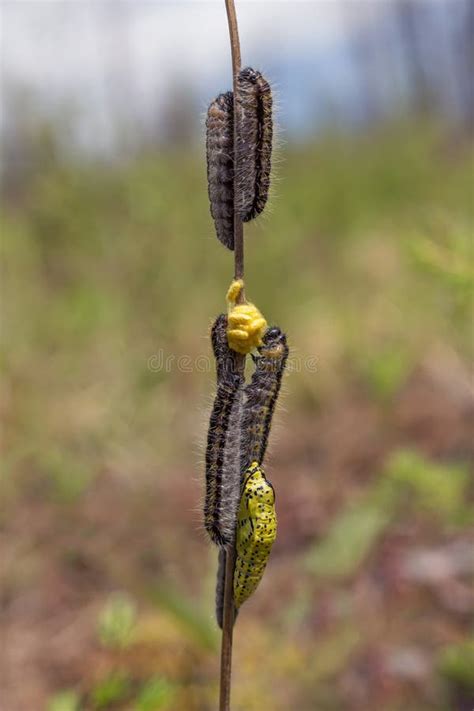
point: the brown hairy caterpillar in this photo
(223, 442)
(220, 166)
(254, 143)
(261, 396)
(256, 533)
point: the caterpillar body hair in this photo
(256, 533)
(253, 152)
(261, 396)
(223, 442)
(220, 165)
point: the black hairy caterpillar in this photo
(254, 143)
(220, 166)
(252, 155)
(261, 395)
(223, 442)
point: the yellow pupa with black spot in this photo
(256, 532)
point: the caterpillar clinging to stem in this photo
(222, 451)
(254, 143)
(220, 165)
(260, 397)
(245, 170)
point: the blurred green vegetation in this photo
(116, 621)
(364, 256)
(409, 483)
(457, 665)
(64, 701)
(111, 690)
(108, 270)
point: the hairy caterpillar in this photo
(222, 451)
(256, 533)
(261, 395)
(252, 154)
(254, 143)
(220, 166)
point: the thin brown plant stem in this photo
(227, 630)
(228, 603)
(236, 64)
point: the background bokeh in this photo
(111, 275)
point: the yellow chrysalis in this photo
(256, 532)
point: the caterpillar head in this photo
(274, 345)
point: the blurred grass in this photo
(409, 483)
(364, 258)
(105, 267)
